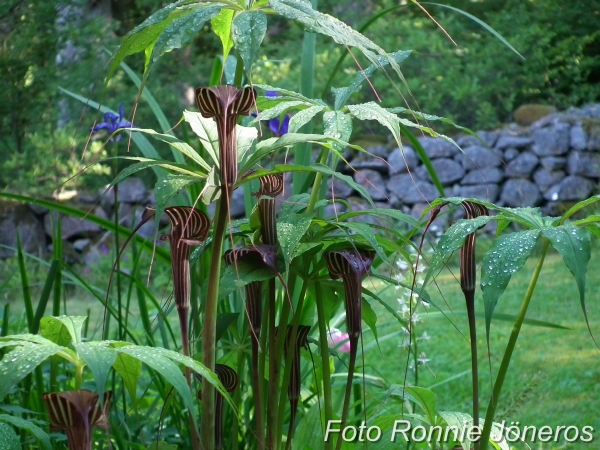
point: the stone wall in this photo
(551, 164)
(554, 162)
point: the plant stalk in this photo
(327, 445)
(512, 341)
(210, 323)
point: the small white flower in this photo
(424, 336)
(422, 359)
(415, 318)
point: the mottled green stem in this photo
(210, 324)
(512, 341)
(327, 445)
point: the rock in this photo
(552, 141)
(334, 209)
(553, 162)
(522, 165)
(19, 218)
(338, 188)
(489, 138)
(373, 183)
(379, 150)
(579, 137)
(81, 244)
(130, 190)
(525, 115)
(591, 110)
(74, 227)
(363, 161)
(488, 192)
(448, 171)
(478, 157)
(399, 164)
(37, 209)
(486, 176)
(507, 140)
(438, 225)
(545, 178)
(519, 192)
(571, 188)
(584, 164)
(437, 147)
(410, 191)
(593, 143)
(237, 208)
(510, 154)
(548, 121)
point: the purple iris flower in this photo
(113, 122)
(277, 127)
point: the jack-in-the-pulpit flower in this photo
(77, 412)
(113, 122)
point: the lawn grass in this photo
(554, 376)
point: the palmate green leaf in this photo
(248, 31)
(506, 257)
(245, 137)
(63, 330)
(580, 205)
(369, 317)
(221, 26)
(99, 358)
(573, 243)
(206, 130)
(314, 21)
(459, 421)
(277, 110)
(184, 29)
(9, 440)
(382, 213)
(365, 230)
(337, 125)
(342, 95)
(291, 228)
(235, 277)
(39, 434)
(130, 370)
(284, 95)
(301, 118)
(21, 361)
(169, 187)
(178, 145)
(145, 35)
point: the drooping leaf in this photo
(62, 330)
(40, 434)
(236, 277)
(421, 396)
(365, 230)
(130, 370)
(506, 257)
(169, 187)
(184, 29)
(303, 117)
(206, 130)
(221, 26)
(369, 317)
(9, 440)
(99, 357)
(573, 243)
(278, 110)
(248, 31)
(342, 95)
(178, 145)
(290, 231)
(21, 361)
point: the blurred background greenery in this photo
(478, 83)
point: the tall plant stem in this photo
(314, 194)
(512, 341)
(328, 445)
(348, 394)
(210, 323)
(274, 365)
(470, 297)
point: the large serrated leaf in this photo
(290, 231)
(9, 440)
(21, 361)
(337, 125)
(62, 330)
(573, 243)
(145, 35)
(506, 257)
(40, 434)
(169, 187)
(301, 118)
(277, 110)
(184, 29)
(130, 369)
(99, 359)
(221, 25)
(164, 366)
(248, 31)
